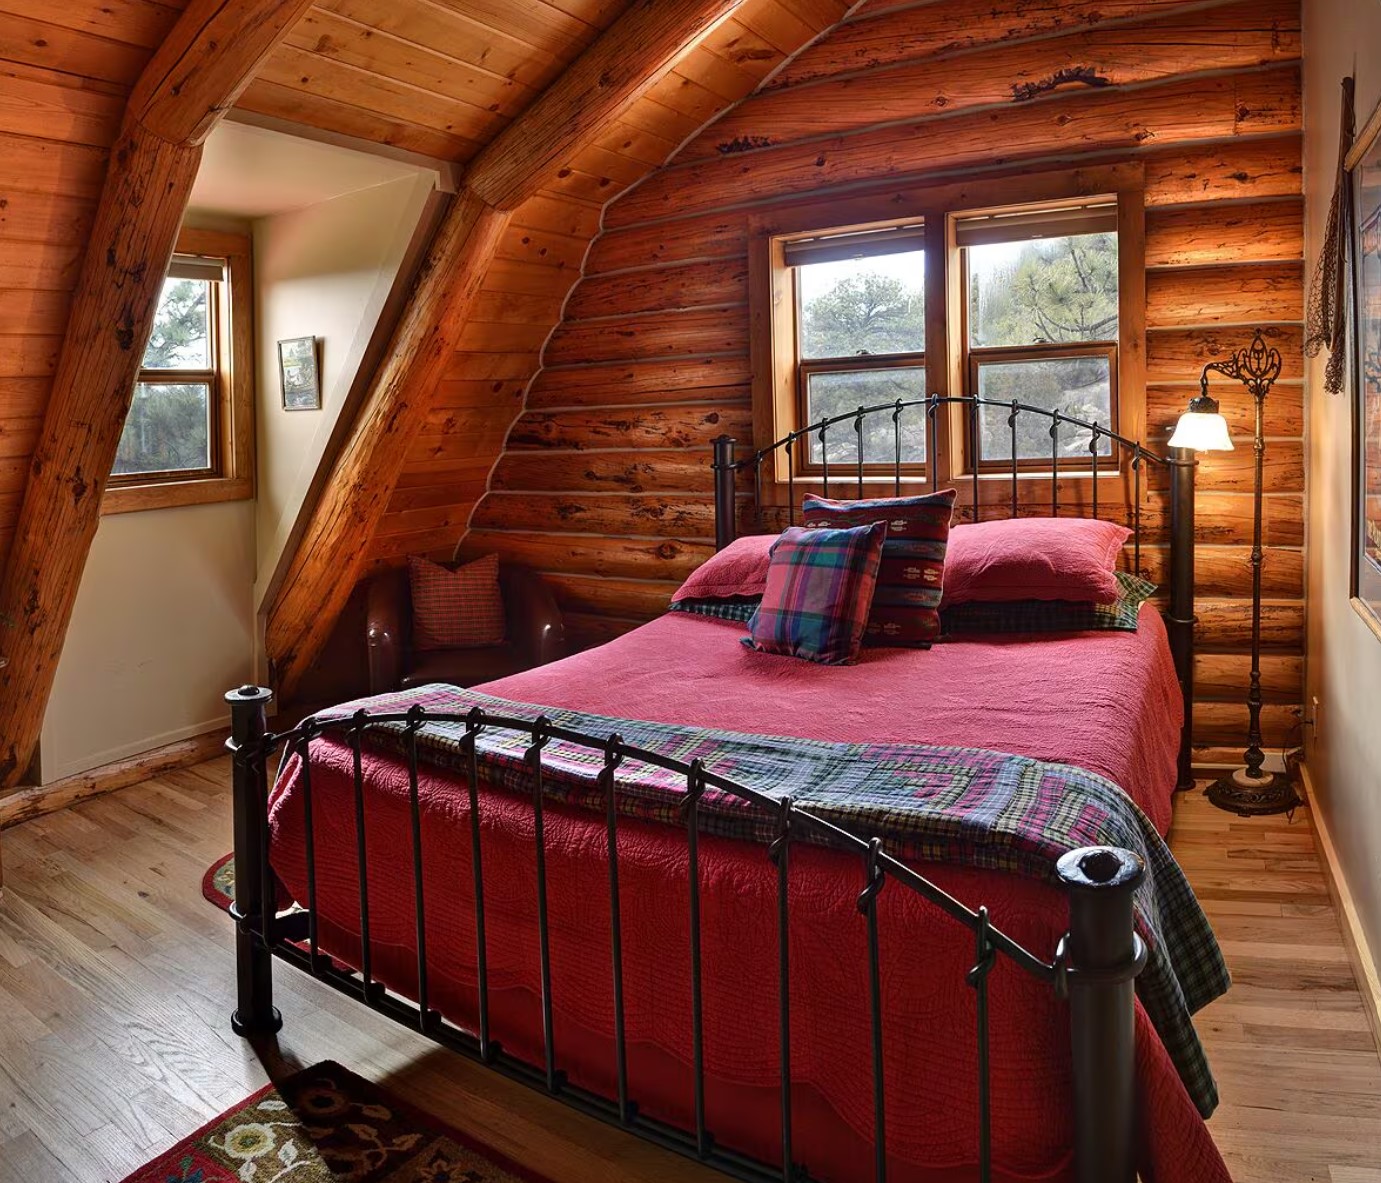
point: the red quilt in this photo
(1116, 701)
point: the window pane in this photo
(168, 429)
(841, 392)
(861, 306)
(181, 338)
(1046, 290)
(1074, 386)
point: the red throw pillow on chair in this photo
(460, 609)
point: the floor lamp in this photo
(1250, 789)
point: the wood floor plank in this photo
(117, 978)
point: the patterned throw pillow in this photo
(460, 609)
(819, 589)
(1050, 616)
(905, 606)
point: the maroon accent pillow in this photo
(1034, 559)
(905, 609)
(740, 569)
(460, 609)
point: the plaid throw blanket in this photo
(962, 806)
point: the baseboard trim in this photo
(34, 801)
(1359, 950)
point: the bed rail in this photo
(864, 478)
(1094, 967)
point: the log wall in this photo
(604, 483)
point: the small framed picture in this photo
(300, 375)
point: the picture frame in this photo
(299, 374)
(1364, 164)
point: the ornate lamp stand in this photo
(1251, 790)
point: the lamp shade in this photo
(1203, 431)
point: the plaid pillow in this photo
(819, 588)
(739, 608)
(1050, 616)
(905, 606)
(460, 609)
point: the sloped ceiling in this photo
(436, 77)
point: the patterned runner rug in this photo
(326, 1125)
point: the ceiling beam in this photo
(208, 58)
(639, 49)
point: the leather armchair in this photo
(535, 635)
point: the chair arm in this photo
(534, 621)
(385, 608)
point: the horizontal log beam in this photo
(625, 63)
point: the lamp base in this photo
(1241, 793)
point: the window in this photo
(1041, 326)
(1012, 289)
(860, 324)
(186, 437)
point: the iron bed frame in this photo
(1094, 966)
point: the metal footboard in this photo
(1093, 968)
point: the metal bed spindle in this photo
(533, 756)
(695, 786)
(470, 747)
(867, 904)
(362, 855)
(779, 853)
(858, 439)
(309, 839)
(984, 959)
(1016, 465)
(1055, 465)
(424, 1011)
(613, 757)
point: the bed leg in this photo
(1099, 962)
(255, 1013)
(1180, 620)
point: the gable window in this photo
(1024, 297)
(187, 436)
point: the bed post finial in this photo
(255, 1013)
(1097, 965)
(1180, 618)
(725, 526)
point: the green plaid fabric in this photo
(1050, 616)
(958, 806)
(739, 609)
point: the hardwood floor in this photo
(116, 983)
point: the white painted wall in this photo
(162, 627)
(1344, 657)
(165, 620)
(325, 271)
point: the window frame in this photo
(230, 474)
(778, 402)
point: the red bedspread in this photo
(1107, 702)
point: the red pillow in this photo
(460, 609)
(740, 569)
(1034, 559)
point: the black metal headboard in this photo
(1179, 463)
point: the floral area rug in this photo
(326, 1125)
(218, 884)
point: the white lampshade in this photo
(1203, 431)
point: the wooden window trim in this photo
(772, 321)
(231, 477)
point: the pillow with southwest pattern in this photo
(906, 605)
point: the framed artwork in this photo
(299, 374)
(1364, 163)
